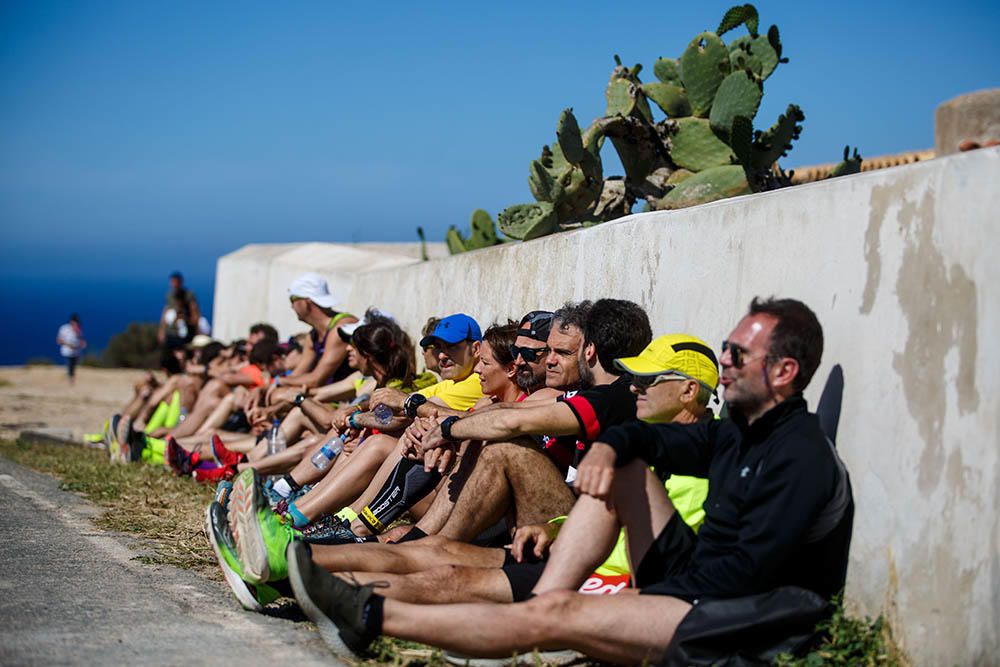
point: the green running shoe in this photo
(251, 597)
(261, 535)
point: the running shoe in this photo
(213, 475)
(112, 436)
(180, 460)
(136, 445)
(253, 597)
(222, 455)
(122, 433)
(261, 535)
(547, 658)
(337, 607)
(222, 491)
(329, 529)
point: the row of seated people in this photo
(565, 487)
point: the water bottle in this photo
(330, 450)
(276, 439)
(383, 414)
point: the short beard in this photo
(586, 375)
(528, 381)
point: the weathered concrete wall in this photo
(251, 284)
(898, 266)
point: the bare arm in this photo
(333, 355)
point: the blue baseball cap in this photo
(453, 329)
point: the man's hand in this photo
(596, 472)
(282, 394)
(541, 535)
(391, 397)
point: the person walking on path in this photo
(71, 343)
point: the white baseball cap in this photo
(313, 286)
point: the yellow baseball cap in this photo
(675, 353)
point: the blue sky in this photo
(136, 137)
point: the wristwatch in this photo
(412, 404)
(298, 399)
(446, 427)
(351, 422)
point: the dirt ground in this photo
(41, 396)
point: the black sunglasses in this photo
(737, 353)
(529, 354)
(642, 383)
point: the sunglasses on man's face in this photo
(293, 299)
(642, 383)
(529, 354)
(737, 353)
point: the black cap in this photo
(536, 325)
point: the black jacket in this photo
(767, 516)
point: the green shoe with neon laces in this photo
(261, 535)
(253, 597)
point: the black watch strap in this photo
(446, 428)
(298, 399)
(412, 404)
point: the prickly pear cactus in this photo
(528, 221)
(706, 147)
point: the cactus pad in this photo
(737, 16)
(704, 64)
(621, 99)
(775, 141)
(696, 147)
(851, 164)
(570, 140)
(709, 185)
(667, 71)
(755, 54)
(671, 99)
(739, 95)
(528, 221)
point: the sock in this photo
(347, 514)
(298, 518)
(414, 534)
(372, 615)
(282, 488)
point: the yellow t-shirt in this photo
(460, 395)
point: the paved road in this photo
(70, 594)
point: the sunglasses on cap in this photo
(642, 383)
(529, 354)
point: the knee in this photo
(550, 610)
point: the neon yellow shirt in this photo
(460, 395)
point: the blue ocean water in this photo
(35, 306)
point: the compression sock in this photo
(286, 486)
(408, 484)
(347, 514)
(173, 411)
(159, 416)
(414, 534)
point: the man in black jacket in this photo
(778, 513)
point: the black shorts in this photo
(522, 576)
(669, 555)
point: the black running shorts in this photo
(668, 556)
(522, 576)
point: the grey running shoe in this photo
(337, 607)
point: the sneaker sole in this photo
(236, 584)
(328, 630)
(250, 546)
(548, 658)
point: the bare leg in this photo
(509, 475)
(639, 503)
(444, 584)
(342, 486)
(404, 558)
(632, 629)
(217, 417)
(209, 397)
(282, 461)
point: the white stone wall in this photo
(898, 265)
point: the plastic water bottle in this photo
(276, 439)
(383, 414)
(330, 450)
